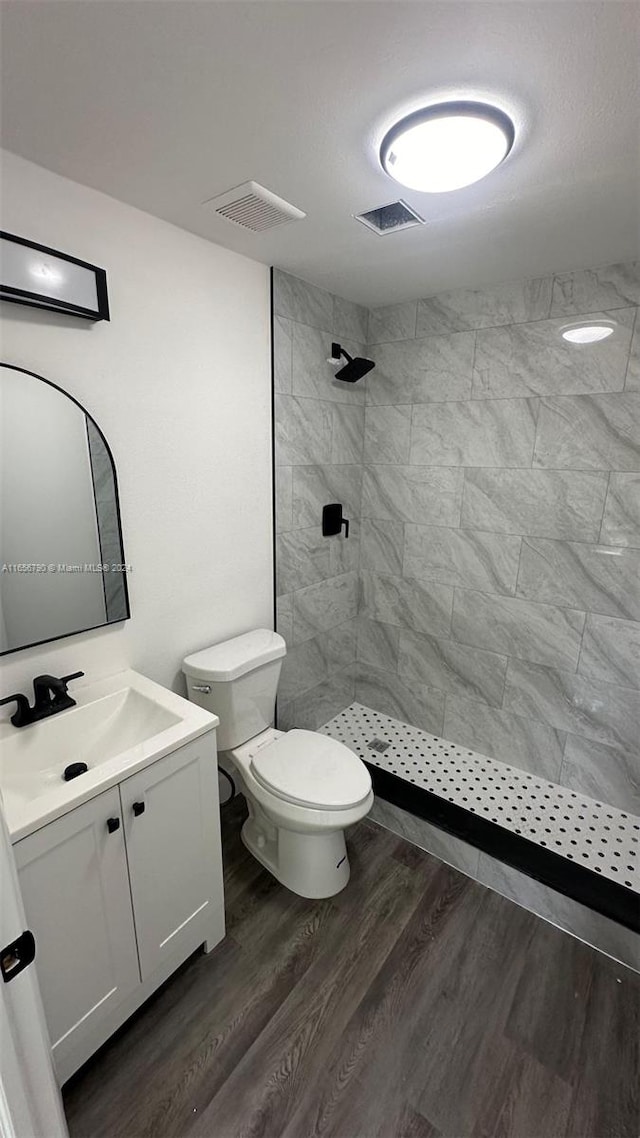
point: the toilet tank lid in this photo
(234, 658)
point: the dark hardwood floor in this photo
(416, 1004)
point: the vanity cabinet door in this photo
(75, 888)
(172, 826)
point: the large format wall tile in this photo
(614, 286)
(316, 660)
(393, 322)
(469, 558)
(387, 435)
(427, 494)
(316, 706)
(470, 308)
(611, 650)
(303, 431)
(602, 712)
(565, 504)
(621, 522)
(493, 432)
(534, 467)
(313, 376)
(284, 616)
(424, 606)
(608, 774)
(284, 498)
(348, 433)
(542, 633)
(302, 558)
(400, 698)
(452, 668)
(381, 545)
(349, 319)
(315, 486)
(589, 432)
(522, 743)
(300, 301)
(378, 644)
(433, 369)
(282, 354)
(323, 606)
(534, 359)
(599, 579)
(344, 552)
(445, 846)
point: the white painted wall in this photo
(179, 381)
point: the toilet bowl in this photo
(302, 788)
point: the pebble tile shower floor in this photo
(587, 832)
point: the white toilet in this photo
(302, 788)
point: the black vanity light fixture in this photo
(40, 277)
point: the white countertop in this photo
(118, 726)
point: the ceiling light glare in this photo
(447, 146)
(587, 333)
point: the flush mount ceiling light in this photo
(446, 146)
(587, 333)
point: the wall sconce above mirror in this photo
(44, 278)
(62, 567)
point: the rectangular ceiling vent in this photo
(390, 218)
(254, 207)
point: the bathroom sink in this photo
(118, 726)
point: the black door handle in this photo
(113, 824)
(138, 808)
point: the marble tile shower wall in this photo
(319, 436)
(500, 526)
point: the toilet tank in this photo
(238, 681)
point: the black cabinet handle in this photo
(138, 808)
(113, 824)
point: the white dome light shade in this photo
(446, 146)
(587, 333)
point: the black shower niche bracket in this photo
(333, 520)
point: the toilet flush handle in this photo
(204, 688)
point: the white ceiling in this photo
(165, 104)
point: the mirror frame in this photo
(104, 624)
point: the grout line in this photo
(604, 507)
(517, 582)
(468, 466)
(635, 323)
(584, 629)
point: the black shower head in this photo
(355, 367)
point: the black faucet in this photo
(50, 697)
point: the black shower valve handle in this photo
(333, 521)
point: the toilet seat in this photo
(311, 770)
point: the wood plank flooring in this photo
(415, 1004)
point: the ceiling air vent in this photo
(253, 207)
(390, 218)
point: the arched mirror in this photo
(62, 565)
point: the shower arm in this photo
(337, 350)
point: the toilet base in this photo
(311, 865)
